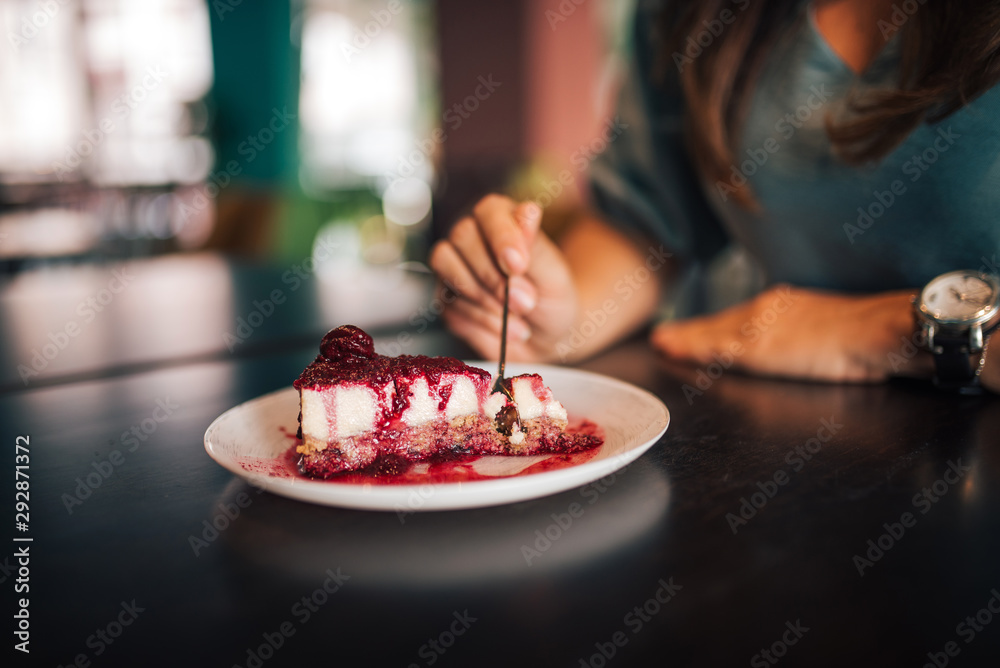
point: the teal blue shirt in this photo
(930, 206)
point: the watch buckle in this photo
(976, 339)
(929, 331)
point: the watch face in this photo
(959, 297)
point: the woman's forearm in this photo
(618, 282)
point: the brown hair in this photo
(949, 56)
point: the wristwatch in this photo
(956, 313)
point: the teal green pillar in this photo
(256, 91)
(255, 128)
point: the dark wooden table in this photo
(775, 523)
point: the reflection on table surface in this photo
(866, 517)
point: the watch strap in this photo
(954, 367)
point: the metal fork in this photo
(508, 417)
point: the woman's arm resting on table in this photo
(809, 334)
(590, 277)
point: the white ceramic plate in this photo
(251, 441)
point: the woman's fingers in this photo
(481, 329)
(468, 241)
(491, 319)
(529, 217)
(523, 295)
(503, 225)
(458, 276)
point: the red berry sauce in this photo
(443, 468)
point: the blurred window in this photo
(102, 117)
(367, 104)
(104, 90)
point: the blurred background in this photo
(351, 132)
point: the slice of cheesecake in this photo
(357, 406)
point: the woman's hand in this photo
(566, 302)
(806, 334)
(500, 238)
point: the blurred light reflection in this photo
(383, 551)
